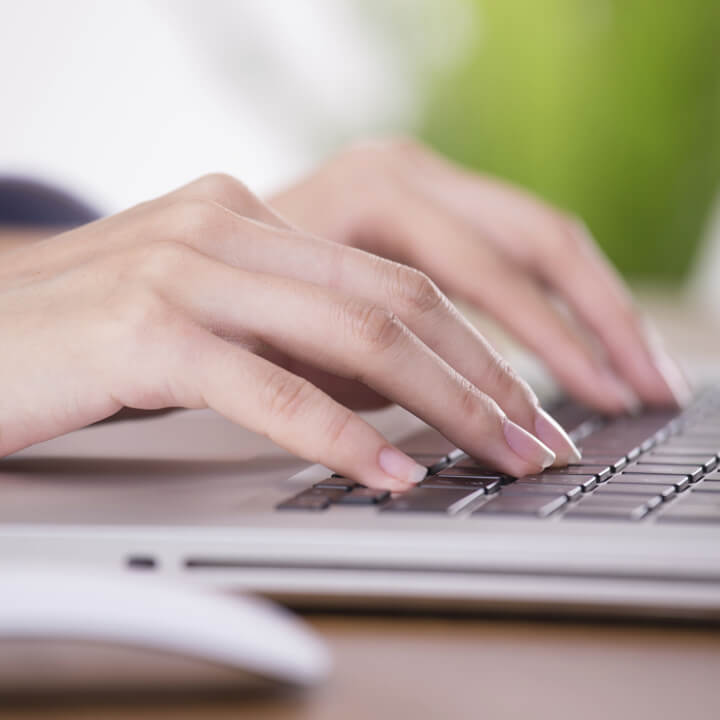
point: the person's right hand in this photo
(206, 298)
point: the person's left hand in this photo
(502, 250)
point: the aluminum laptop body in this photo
(189, 494)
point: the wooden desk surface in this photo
(472, 668)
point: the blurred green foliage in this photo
(609, 108)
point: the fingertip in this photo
(550, 432)
(527, 447)
(400, 468)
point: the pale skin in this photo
(288, 316)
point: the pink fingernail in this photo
(618, 389)
(669, 370)
(527, 446)
(399, 466)
(551, 433)
(673, 377)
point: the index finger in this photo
(563, 254)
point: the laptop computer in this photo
(633, 530)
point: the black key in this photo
(607, 512)
(312, 499)
(706, 500)
(706, 487)
(601, 472)
(571, 416)
(335, 483)
(468, 462)
(432, 500)
(692, 472)
(470, 472)
(673, 450)
(460, 483)
(682, 513)
(526, 489)
(432, 462)
(363, 496)
(680, 446)
(706, 462)
(679, 482)
(612, 461)
(585, 482)
(536, 505)
(427, 441)
(620, 488)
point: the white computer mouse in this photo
(77, 629)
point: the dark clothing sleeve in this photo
(28, 202)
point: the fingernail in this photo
(669, 370)
(401, 467)
(527, 446)
(551, 433)
(673, 377)
(613, 386)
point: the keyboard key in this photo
(707, 462)
(690, 514)
(585, 482)
(706, 487)
(613, 462)
(536, 505)
(680, 446)
(363, 496)
(312, 499)
(460, 483)
(698, 498)
(679, 482)
(612, 489)
(600, 472)
(432, 500)
(427, 441)
(470, 472)
(432, 462)
(335, 483)
(692, 472)
(527, 489)
(607, 512)
(712, 477)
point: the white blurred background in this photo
(119, 102)
(122, 101)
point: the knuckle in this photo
(286, 395)
(337, 426)
(160, 259)
(138, 314)
(226, 190)
(193, 217)
(502, 376)
(374, 325)
(476, 405)
(471, 404)
(415, 291)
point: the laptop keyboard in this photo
(658, 466)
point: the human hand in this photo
(206, 298)
(502, 250)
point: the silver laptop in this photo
(634, 530)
